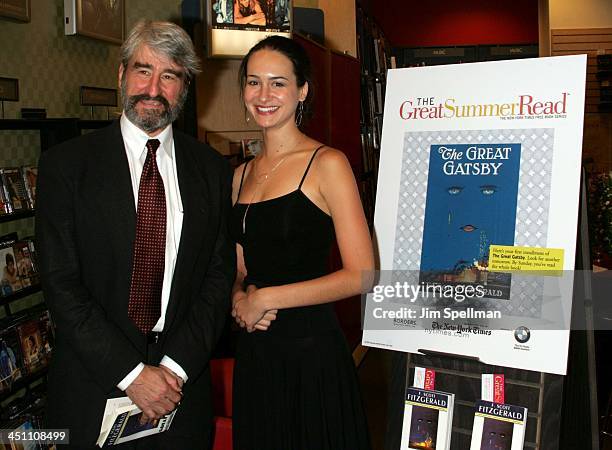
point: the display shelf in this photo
(17, 215)
(23, 383)
(51, 132)
(22, 293)
(374, 53)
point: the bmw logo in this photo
(522, 334)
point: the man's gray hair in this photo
(165, 38)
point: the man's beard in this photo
(152, 119)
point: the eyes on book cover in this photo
(471, 204)
(423, 428)
(498, 426)
(496, 435)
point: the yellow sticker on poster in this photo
(507, 258)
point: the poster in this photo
(476, 211)
(234, 26)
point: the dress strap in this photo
(309, 164)
(242, 178)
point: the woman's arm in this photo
(338, 190)
(238, 292)
(240, 295)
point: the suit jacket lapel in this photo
(194, 196)
(116, 194)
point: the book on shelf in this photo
(32, 346)
(377, 132)
(9, 277)
(17, 264)
(11, 361)
(30, 404)
(26, 343)
(26, 426)
(371, 104)
(498, 426)
(26, 270)
(377, 56)
(47, 334)
(380, 96)
(428, 419)
(5, 205)
(36, 338)
(14, 188)
(30, 175)
(121, 423)
(32, 248)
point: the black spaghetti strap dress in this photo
(295, 385)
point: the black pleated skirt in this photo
(297, 393)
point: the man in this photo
(136, 262)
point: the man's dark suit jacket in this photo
(85, 228)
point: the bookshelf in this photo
(22, 391)
(375, 55)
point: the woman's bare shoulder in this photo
(330, 159)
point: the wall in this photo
(456, 22)
(340, 25)
(219, 108)
(586, 27)
(50, 67)
(306, 3)
(580, 14)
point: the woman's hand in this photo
(236, 297)
(266, 321)
(249, 311)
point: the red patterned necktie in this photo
(144, 307)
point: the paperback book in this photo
(498, 426)
(15, 189)
(11, 361)
(121, 423)
(25, 266)
(9, 278)
(30, 175)
(428, 419)
(32, 345)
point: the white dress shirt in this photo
(135, 140)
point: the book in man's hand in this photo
(121, 423)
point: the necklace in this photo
(260, 179)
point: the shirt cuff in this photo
(125, 383)
(174, 367)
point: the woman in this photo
(248, 12)
(295, 386)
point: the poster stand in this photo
(562, 410)
(580, 406)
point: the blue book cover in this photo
(471, 204)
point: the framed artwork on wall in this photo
(15, 9)
(234, 142)
(9, 89)
(98, 19)
(95, 96)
